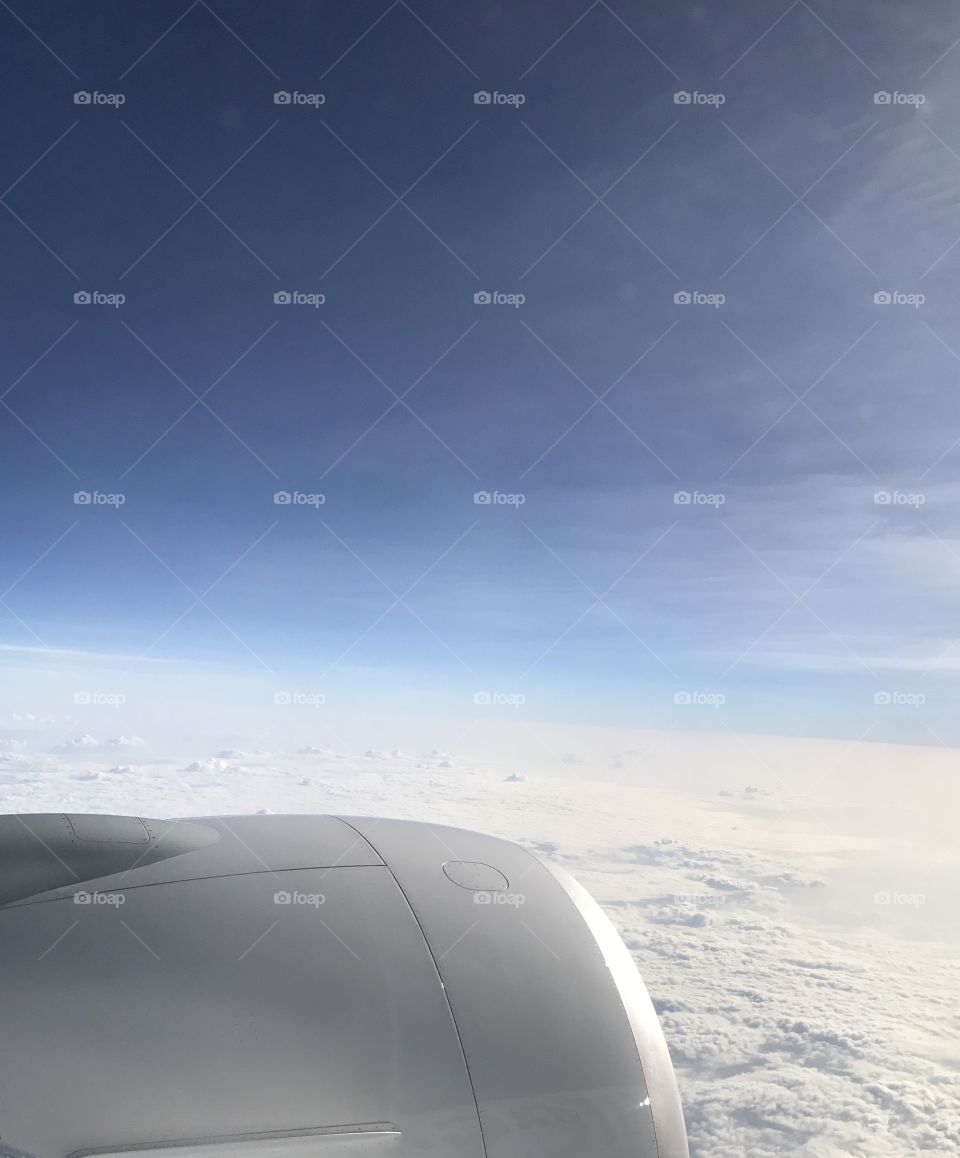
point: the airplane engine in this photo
(314, 987)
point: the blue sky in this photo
(600, 196)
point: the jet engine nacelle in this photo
(315, 987)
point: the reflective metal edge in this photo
(658, 1072)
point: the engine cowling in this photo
(308, 986)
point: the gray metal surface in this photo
(296, 987)
(371, 1140)
(51, 851)
(204, 1008)
(43, 853)
(553, 1050)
